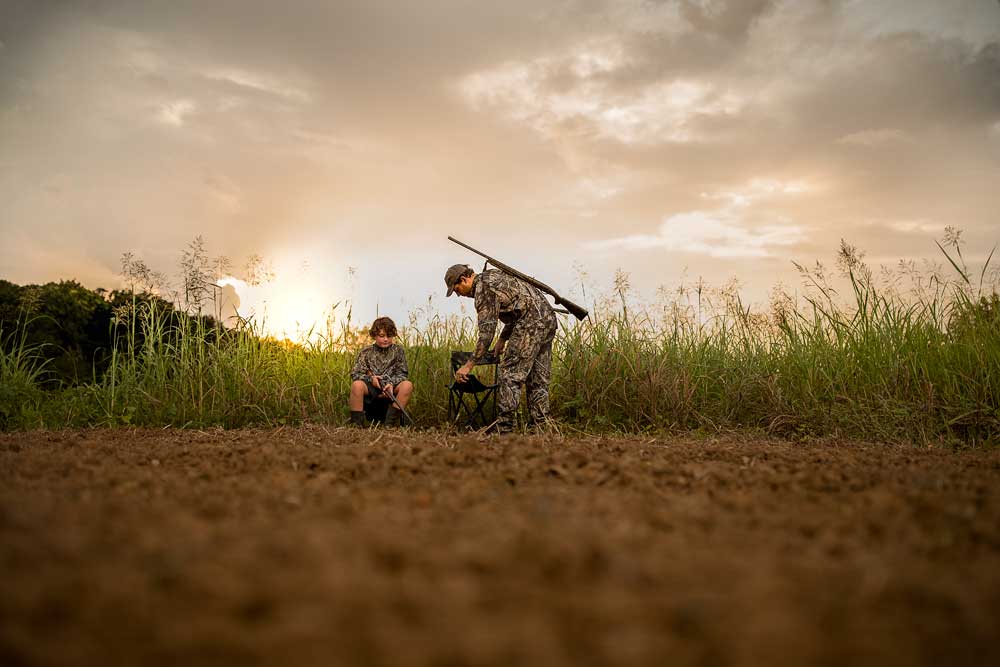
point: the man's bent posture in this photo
(525, 342)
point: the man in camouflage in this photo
(525, 343)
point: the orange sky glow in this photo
(343, 142)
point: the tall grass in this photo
(876, 362)
(881, 366)
(21, 374)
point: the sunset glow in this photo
(296, 304)
(718, 138)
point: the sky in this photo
(344, 141)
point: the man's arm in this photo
(487, 315)
(487, 331)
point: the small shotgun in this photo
(392, 397)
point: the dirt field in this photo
(318, 546)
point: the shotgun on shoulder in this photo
(576, 310)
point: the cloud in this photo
(747, 128)
(720, 233)
(174, 113)
(584, 105)
(974, 22)
(259, 82)
(921, 226)
(730, 20)
(760, 189)
(874, 137)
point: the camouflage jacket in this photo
(501, 297)
(388, 363)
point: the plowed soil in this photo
(315, 546)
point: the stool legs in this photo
(472, 405)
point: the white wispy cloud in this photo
(712, 233)
(174, 113)
(259, 82)
(921, 226)
(760, 189)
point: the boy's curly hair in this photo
(383, 324)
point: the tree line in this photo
(74, 329)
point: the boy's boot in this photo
(358, 418)
(393, 416)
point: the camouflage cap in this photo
(452, 275)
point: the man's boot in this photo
(543, 426)
(393, 416)
(504, 425)
(358, 418)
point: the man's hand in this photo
(387, 390)
(377, 381)
(462, 374)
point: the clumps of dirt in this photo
(333, 546)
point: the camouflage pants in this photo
(527, 360)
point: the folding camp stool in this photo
(471, 404)
(376, 407)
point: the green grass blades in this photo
(872, 360)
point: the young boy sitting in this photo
(380, 369)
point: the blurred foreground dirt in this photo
(317, 546)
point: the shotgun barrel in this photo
(578, 311)
(392, 397)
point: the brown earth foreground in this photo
(317, 546)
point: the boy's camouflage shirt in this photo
(502, 297)
(388, 363)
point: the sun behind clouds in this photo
(294, 302)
